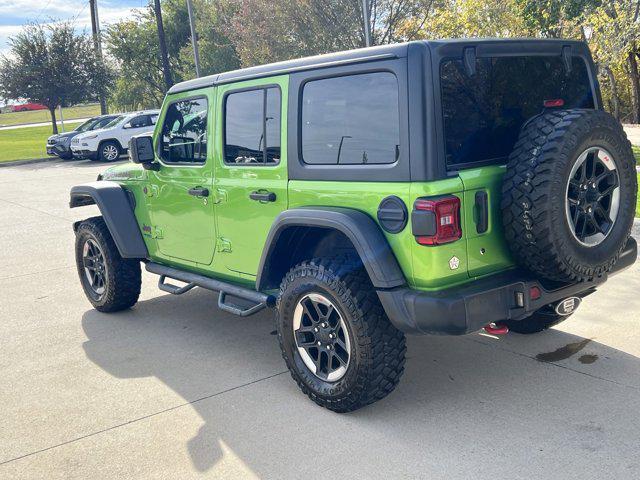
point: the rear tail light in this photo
(435, 221)
(554, 103)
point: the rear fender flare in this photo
(361, 230)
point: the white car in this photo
(108, 143)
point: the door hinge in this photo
(224, 245)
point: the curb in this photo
(27, 162)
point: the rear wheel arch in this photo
(304, 233)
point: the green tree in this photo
(54, 66)
(272, 30)
(134, 45)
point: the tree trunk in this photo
(164, 57)
(635, 85)
(54, 123)
(615, 100)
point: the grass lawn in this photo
(37, 116)
(24, 143)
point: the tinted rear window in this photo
(351, 120)
(483, 113)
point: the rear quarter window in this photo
(483, 113)
(351, 120)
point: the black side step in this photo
(259, 300)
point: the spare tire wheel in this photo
(569, 194)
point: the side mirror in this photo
(141, 151)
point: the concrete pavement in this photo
(175, 388)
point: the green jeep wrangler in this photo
(433, 187)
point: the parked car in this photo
(436, 187)
(25, 107)
(60, 144)
(112, 140)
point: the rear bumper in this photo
(468, 308)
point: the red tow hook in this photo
(496, 329)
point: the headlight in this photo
(89, 137)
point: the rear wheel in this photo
(335, 338)
(109, 151)
(111, 283)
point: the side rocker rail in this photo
(257, 300)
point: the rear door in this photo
(486, 99)
(250, 168)
(487, 250)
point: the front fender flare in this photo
(363, 232)
(117, 211)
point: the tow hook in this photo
(496, 329)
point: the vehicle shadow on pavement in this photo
(544, 395)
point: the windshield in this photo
(114, 122)
(86, 126)
(483, 112)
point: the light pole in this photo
(367, 25)
(97, 44)
(194, 38)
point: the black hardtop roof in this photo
(440, 48)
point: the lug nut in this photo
(332, 335)
(316, 329)
(319, 343)
(324, 325)
(328, 347)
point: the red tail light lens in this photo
(556, 102)
(436, 221)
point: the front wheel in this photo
(111, 283)
(109, 151)
(341, 349)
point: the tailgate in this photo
(487, 251)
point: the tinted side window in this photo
(184, 132)
(483, 113)
(351, 120)
(139, 122)
(252, 127)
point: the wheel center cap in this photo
(324, 335)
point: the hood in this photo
(94, 132)
(126, 171)
(60, 136)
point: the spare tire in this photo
(569, 194)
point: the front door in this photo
(251, 168)
(179, 193)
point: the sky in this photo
(15, 13)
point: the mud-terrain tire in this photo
(554, 201)
(111, 283)
(540, 321)
(376, 349)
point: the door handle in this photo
(263, 196)
(199, 192)
(482, 208)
